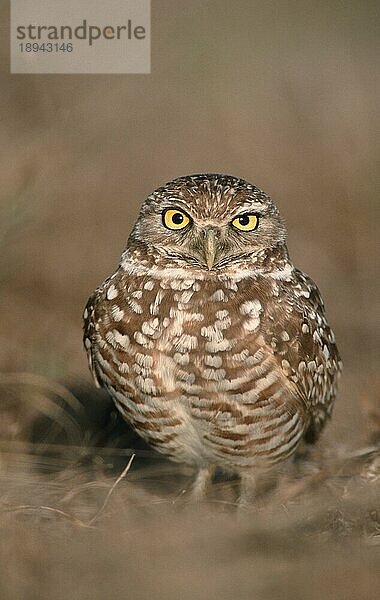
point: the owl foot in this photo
(201, 484)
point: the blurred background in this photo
(283, 94)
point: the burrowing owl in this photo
(212, 344)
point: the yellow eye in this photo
(246, 222)
(175, 219)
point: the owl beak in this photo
(210, 248)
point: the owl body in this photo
(223, 358)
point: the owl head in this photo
(209, 221)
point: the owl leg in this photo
(201, 483)
(256, 484)
(248, 490)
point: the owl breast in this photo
(187, 364)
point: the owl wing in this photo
(107, 318)
(89, 329)
(304, 346)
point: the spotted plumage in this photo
(212, 344)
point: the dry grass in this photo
(285, 95)
(95, 519)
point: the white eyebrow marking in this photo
(249, 207)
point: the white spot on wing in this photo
(251, 308)
(111, 292)
(218, 296)
(116, 313)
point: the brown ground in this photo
(286, 96)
